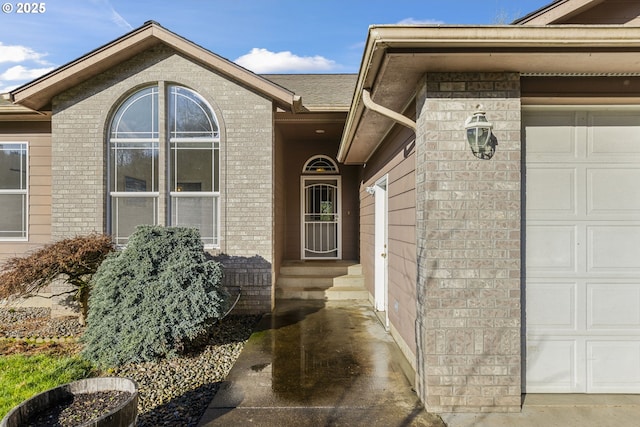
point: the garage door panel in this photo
(551, 134)
(613, 306)
(551, 191)
(613, 366)
(613, 135)
(613, 191)
(551, 248)
(613, 249)
(551, 365)
(551, 306)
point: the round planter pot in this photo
(123, 415)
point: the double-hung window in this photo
(13, 190)
(183, 189)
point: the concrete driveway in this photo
(560, 410)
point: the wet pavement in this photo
(317, 363)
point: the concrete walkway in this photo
(332, 364)
(315, 363)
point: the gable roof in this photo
(320, 92)
(617, 12)
(38, 93)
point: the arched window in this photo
(320, 164)
(133, 166)
(194, 141)
(192, 145)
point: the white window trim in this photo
(25, 192)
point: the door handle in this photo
(383, 255)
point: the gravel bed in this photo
(36, 323)
(171, 392)
(176, 392)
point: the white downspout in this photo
(397, 117)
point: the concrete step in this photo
(305, 281)
(330, 294)
(348, 281)
(355, 270)
(347, 293)
(315, 268)
(300, 293)
(323, 280)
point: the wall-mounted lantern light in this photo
(371, 190)
(479, 135)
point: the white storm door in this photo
(582, 290)
(321, 222)
(381, 252)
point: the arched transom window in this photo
(183, 191)
(320, 164)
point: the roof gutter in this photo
(442, 42)
(396, 117)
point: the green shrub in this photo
(152, 297)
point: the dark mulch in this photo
(79, 409)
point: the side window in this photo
(13, 190)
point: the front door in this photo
(321, 218)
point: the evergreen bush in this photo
(152, 297)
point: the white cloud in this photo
(412, 21)
(20, 64)
(30, 65)
(264, 61)
(19, 73)
(16, 53)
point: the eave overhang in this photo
(397, 57)
(37, 94)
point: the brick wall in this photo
(79, 125)
(468, 238)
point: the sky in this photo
(265, 36)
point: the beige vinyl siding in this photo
(38, 138)
(397, 161)
(367, 234)
(402, 249)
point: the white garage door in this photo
(582, 297)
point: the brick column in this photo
(468, 243)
